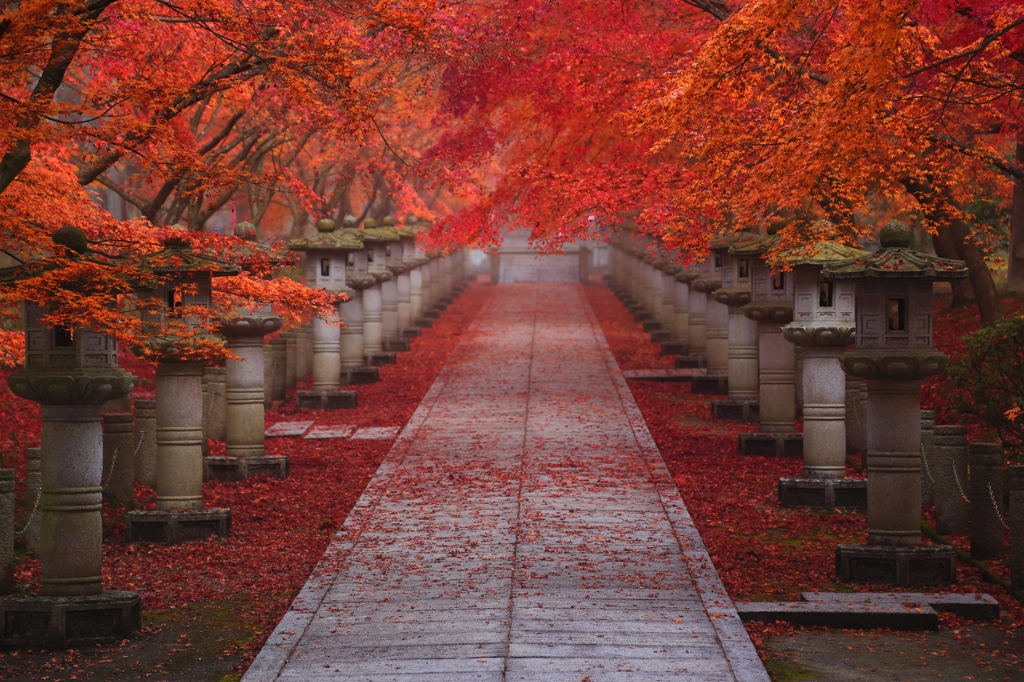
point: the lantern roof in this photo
(758, 246)
(328, 238)
(372, 233)
(726, 242)
(895, 260)
(820, 253)
(179, 257)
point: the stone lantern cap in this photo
(328, 238)
(686, 275)
(410, 228)
(821, 253)
(725, 243)
(754, 247)
(178, 257)
(895, 260)
(372, 233)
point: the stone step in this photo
(973, 605)
(854, 616)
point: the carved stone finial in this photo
(325, 225)
(895, 234)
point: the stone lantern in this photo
(179, 515)
(823, 326)
(771, 306)
(70, 373)
(716, 328)
(894, 353)
(326, 261)
(742, 351)
(354, 370)
(377, 245)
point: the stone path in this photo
(522, 528)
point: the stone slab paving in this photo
(522, 528)
(287, 428)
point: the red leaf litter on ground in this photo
(280, 528)
(761, 550)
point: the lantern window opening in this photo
(896, 314)
(826, 295)
(63, 337)
(387, 250)
(325, 267)
(351, 259)
(779, 281)
(718, 260)
(173, 301)
(743, 268)
(369, 256)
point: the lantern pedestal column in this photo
(179, 515)
(398, 341)
(893, 554)
(245, 455)
(354, 370)
(697, 327)
(716, 381)
(824, 484)
(326, 393)
(742, 403)
(776, 365)
(373, 330)
(72, 608)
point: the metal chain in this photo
(32, 515)
(995, 505)
(956, 477)
(113, 461)
(927, 467)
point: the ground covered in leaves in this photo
(209, 606)
(765, 552)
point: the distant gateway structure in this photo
(517, 261)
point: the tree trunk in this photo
(985, 293)
(963, 292)
(1015, 255)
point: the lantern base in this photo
(359, 376)
(642, 315)
(397, 345)
(823, 493)
(176, 526)
(326, 400)
(660, 336)
(772, 444)
(902, 566)
(64, 622)
(381, 359)
(425, 322)
(675, 347)
(716, 384)
(690, 361)
(651, 325)
(736, 410)
(241, 468)
(412, 333)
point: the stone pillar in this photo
(144, 436)
(268, 376)
(1015, 481)
(279, 381)
(180, 515)
(389, 308)
(33, 497)
(327, 355)
(6, 531)
(494, 260)
(305, 364)
(717, 342)
(373, 332)
(71, 542)
(950, 472)
(742, 357)
(416, 293)
(245, 455)
(894, 462)
(215, 405)
(680, 342)
(986, 462)
(404, 285)
(824, 413)
(119, 458)
(927, 458)
(179, 457)
(856, 433)
(291, 360)
(697, 329)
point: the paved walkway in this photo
(522, 528)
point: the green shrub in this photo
(988, 381)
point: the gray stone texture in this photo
(927, 457)
(986, 471)
(119, 458)
(952, 508)
(33, 497)
(6, 531)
